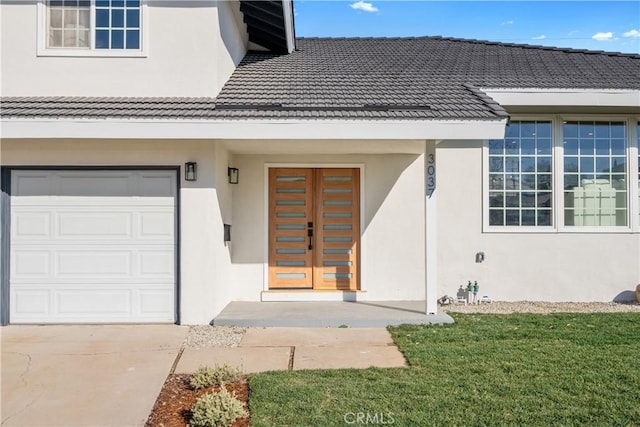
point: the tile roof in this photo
(368, 78)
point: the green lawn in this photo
(520, 370)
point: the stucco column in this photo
(431, 283)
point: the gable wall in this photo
(193, 47)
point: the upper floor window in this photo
(93, 26)
(520, 175)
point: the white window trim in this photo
(486, 228)
(633, 205)
(44, 51)
(560, 173)
(265, 217)
(634, 191)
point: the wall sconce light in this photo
(233, 175)
(190, 171)
(480, 257)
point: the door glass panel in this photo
(336, 215)
(290, 239)
(291, 251)
(290, 178)
(290, 226)
(337, 190)
(337, 178)
(337, 275)
(290, 190)
(290, 214)
(291, 275)
(290, 263)
(337, 202)
(337, 263)
(337, 251)
(337, 239)
(337, 227)
(290, 202)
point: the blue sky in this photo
(599, 25)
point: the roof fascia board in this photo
(252, 129)
(564, 97)
(287, 6)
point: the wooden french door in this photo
(314, 228)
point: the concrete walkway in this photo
(110, 375)
(84, 375)
(268, 349)
(319, 314)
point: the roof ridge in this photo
(484, 42)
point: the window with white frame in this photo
(520, 175)
(101, 25)
(68, 24)
(595, 172)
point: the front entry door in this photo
(314, 228)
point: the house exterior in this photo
(155, 175)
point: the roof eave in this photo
(285, 129)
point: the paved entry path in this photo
(268, 349)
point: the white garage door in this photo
(92, 246)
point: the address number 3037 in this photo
(431, 174)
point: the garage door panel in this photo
(156, 264)
(94, 263)
(30, 225)
(93, 184)
(90, 225)
(156, 184)
(32, 184)
(30, 264)
(30, 303)
(155, 225)
(155, 302)
(94, 303)
(79, 255)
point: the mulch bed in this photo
(173, 406)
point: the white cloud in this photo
(602, 36)
(540, 37)
(632, 33)
(363, 5)
(509, 22)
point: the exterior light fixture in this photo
(233, 175)
(190, 171)
(227, 233)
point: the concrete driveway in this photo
(84, 375)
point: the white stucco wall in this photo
(204, 259)
(191, 49)
(574, 266)
(392, 258)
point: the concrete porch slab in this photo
(361, 314)
(249, 359)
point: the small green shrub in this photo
(217, 409)
(205, 376)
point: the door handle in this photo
(310, 234)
